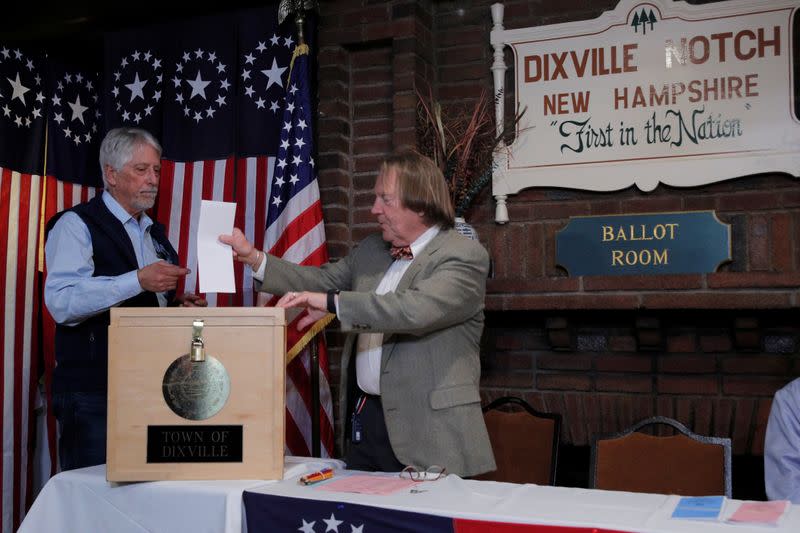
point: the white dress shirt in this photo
(369, 345)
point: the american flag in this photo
(216, 90)
(73, 176)
(65, 99)
(178, 81)
(213, 90)
(22, 126)
(266, 512)
(295, 232)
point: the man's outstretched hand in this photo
(160, 276)
(314, 302)
(242, 249)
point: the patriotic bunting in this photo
(214, 92)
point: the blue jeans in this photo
(82, 420)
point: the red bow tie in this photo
(401, 252)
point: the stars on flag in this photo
(263, 72)
(273, 74)
(331, 524)
(18, 90)
(137, 86)
(201, 84)
(294, 168)
(75, 107)
(21, 93)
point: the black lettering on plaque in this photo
(194, 444)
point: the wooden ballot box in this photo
(196, 393)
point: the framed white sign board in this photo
(651, 92)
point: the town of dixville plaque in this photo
(196, 393)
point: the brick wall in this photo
(707, 349)
(604, 371)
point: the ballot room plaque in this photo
(195, 393)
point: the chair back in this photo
(524, 442)
(686, 463)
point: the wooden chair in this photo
(524, 441)
(686, 463)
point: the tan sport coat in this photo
(432, 324)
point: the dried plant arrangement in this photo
(462, 139)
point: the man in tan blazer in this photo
(410, 364)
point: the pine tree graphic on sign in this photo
(643, 19)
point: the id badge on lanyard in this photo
(356, 423)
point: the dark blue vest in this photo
(82, 350)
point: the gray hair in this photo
(118, 145)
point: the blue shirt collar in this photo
(122, 215)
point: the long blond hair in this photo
(421, 187)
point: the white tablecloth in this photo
(82, 501)
(533, 504)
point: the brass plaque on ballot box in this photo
(195, 393)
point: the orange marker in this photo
(316, 477)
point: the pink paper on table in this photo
(760, 512)
(366, 484)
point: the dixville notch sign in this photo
(655, 91)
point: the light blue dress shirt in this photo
(782, 445)
(71, 293)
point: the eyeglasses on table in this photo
(432, 473)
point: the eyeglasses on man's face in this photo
(432, 473)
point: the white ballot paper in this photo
(214, 259)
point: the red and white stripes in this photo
(19, 214)
(298, 235)
(21, 209)
(299, 238)
(184, 185)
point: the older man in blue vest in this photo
(101, 254)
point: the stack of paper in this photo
(764, 513)
(699, 507)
